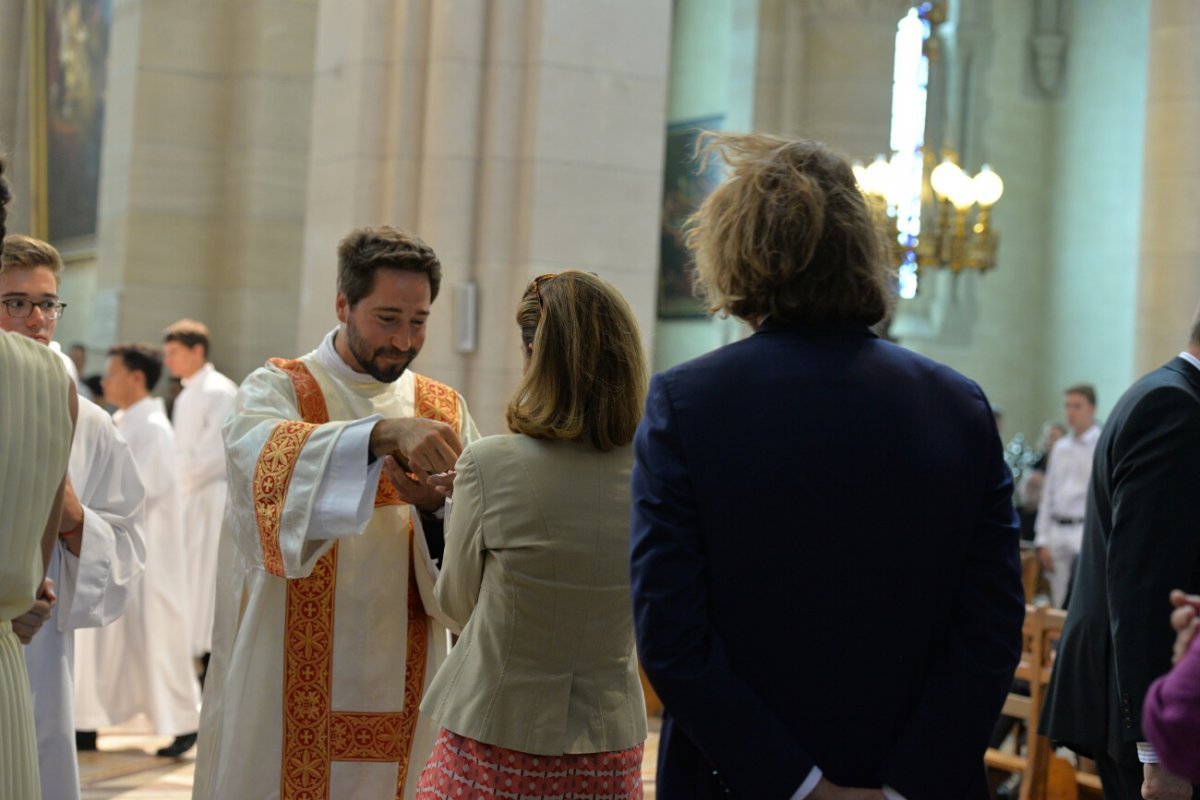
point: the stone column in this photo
(826, 71)
(510, 136)
(1169, 251)
(165, 120)
(204, 165)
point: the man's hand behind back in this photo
(1158, 784)
(28, 624)
(831, 791)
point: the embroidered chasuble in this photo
(326, 631)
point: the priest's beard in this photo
(373, 360)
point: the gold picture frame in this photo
(68, 73)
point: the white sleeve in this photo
(346, 496)
(205, 459)
(95, 587)
(810, 783)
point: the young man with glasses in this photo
(101, 550)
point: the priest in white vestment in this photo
(98, 559)
(325, 638)
(200, 409)
(142, 662)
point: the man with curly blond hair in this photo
(826, 574)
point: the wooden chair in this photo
(1045, 775)
(1031, 572)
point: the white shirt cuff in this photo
(810, 783)
(814, 777)
(346, 499)
(1146, 753)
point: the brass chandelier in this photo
(961, 235)
(937, 216)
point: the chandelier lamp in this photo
(896, 188)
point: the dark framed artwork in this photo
(685, 186)
(69, 78)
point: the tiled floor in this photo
(125, 767)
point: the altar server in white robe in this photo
(325, 639)
(142, 661)
(100, 552)
(205, 402)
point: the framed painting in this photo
(69, 76)
(685, 186)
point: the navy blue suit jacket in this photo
(826, 568)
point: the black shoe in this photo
(182, 743)
(85, 740)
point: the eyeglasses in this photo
(20, 307)
(537, 285)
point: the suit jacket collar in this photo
(1187, 370)
(770, 326)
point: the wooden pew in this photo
(1045, 775)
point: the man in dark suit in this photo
(1141, 539)
(826, 575)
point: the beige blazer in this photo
(537, 572)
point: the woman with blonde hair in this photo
(541, 696)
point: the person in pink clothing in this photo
(1171, 717)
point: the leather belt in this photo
(1066, 520)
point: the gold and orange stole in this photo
(314, 734)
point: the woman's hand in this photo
(443, 482)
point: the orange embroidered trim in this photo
(366, 736)
(314, 735)
(272, 476)
(414, 667)
(433, 401)
(309, 399)
(437, 401)
(308, 682)
(386, 494)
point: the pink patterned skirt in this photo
(464, 768)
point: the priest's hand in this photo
(413, 489)
(29, 623)
(418, 444)
(1158, 784)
